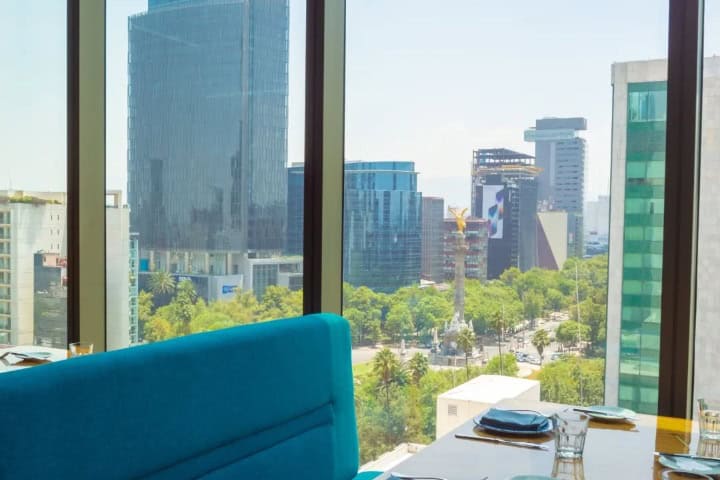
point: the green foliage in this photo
(534, 304)
(504, 364)
(417, 367)
(492, 306)
(161, 283)
(573, 380)
(186, 313)
(466, 342)
(570, 332)
(540, 340)
(399, 321)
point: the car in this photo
(555, 356)
(532, 359)
(520, 357)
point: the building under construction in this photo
(504, 191)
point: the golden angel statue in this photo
(459, 217)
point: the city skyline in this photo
(450, 128)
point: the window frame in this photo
(324, 163)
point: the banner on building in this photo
(494, 208)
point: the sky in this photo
(427, 81)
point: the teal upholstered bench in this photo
(268, 401)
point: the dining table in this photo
(613, 451)
(9, 363)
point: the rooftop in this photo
(490, 389)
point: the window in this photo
(523, 290)
(707, 303)
(205, 129)
(33, 292)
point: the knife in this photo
(502, 441)
(689, 455)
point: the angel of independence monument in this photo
(447, 351)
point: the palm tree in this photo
(388, 369)
(161, 283)
(540, 340)
(466, 341)
(418, 366)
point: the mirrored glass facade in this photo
(382, 225)
(207, 125)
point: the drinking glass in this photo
(568, 469)
(709, 418)
(570, 432)
(708, 448)
(79, 349)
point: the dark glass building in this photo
(433, 213)
(207, 125)
(382, 230)
(295, 209)
(382, 225)
(504, 192)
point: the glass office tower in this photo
(636, 245)
(207, 127)
(382, 225)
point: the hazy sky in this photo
(427, 81)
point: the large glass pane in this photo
(33, 249)
(707, 329)
(205, 112)
(515, 118)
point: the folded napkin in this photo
(521, 421)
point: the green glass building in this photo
(642, 246)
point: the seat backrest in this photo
(269, 401)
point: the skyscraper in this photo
(207, 132)
(382, 225)
(560, 154)
(504, 191)
(433, 213)
(636, 236)
(295, 209)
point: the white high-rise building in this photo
(33, 270)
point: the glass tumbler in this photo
(709, 418)
(570, 432)
(79, 349)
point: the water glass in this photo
(570, 432)
(708, 448)
(709, 418)
(79, 349)
(568, 469)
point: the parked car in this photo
(555, 356)
(520, 357)
(533, 359)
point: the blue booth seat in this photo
(265, 401)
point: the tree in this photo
(158, 328)
(466, 341)
(388, 371)
(432, 311)
(573, 380)
(364, 324)
(555, 300)
(502, 365)
(161, 283)
(183, 306)
(417, 367)
(571, 332)
(534, 304)
(540, 340)
(145, 310)
(399, 321)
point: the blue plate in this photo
(505, 431)
(690, 465)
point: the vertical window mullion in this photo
(681, 207)
(86, 172)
